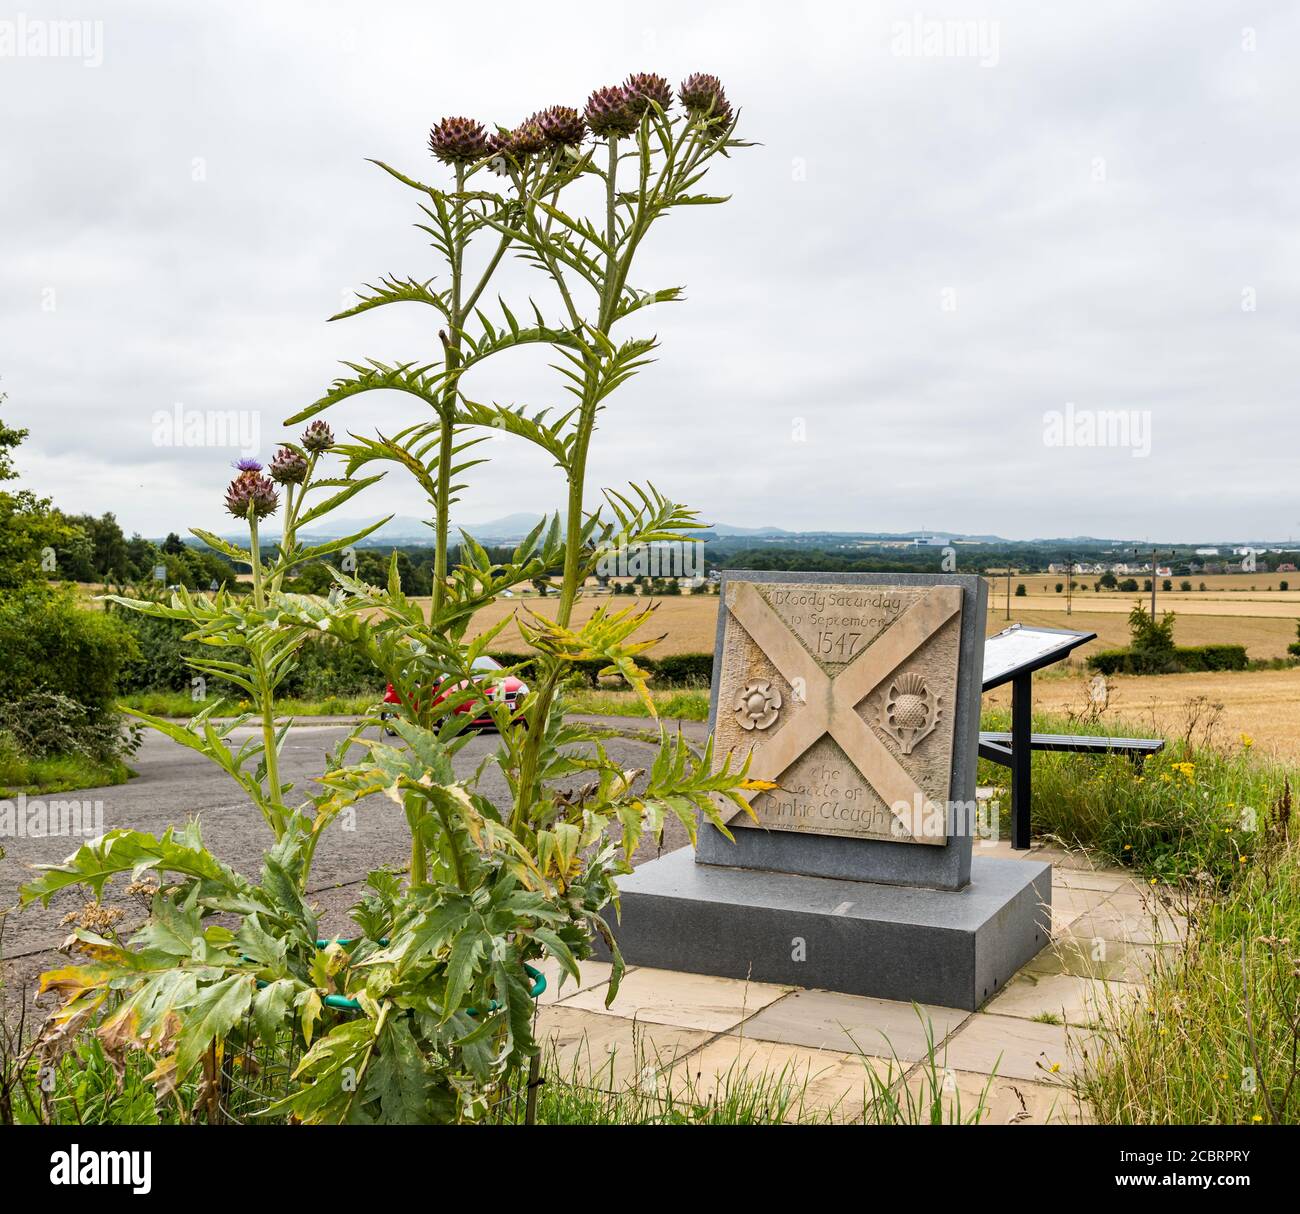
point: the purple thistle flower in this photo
(251, 495)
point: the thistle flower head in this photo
(318, 437)
(645, 87)
(609, 114)
(561, 125)
(527, 138)
(458, 141)
(289, 467)
(251, 495)
(246, 466)
(702, 95)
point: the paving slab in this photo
(609, 1052)
(1016, 1049)
(560, 984)
(692, 1001)
(1129, 927)
(1070, 904)
(882, 1028)
(1097, 957)
(1110, 881)
(813, 1082)
(971, 1098)
(1070, 998)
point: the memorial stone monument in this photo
(858, 696)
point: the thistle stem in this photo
(254, 552)
(265, 696)
(447, 411)
(577, 480)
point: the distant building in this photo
(1207, 552)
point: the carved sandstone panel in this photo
(845, 695)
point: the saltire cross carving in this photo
(829, 700)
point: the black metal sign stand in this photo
(1056, 643)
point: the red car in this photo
(508, 690)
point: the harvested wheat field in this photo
(1275, 604)
(687, 623)
(1263, 637)
(1265, 705)
(1216, 709)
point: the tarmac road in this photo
(176, 784)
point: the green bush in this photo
(1211, 657)
(50, 643)
(684, 670)
(46, 723)
(323, 668)
(327, 668)
(678, 670)
(1153, 651)
(1183, 659)
(1109, 661)
(159, 660)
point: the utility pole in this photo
(1069, 583)
(1008, 592)
(1153, 585)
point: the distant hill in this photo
(406, 530)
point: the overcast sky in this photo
(956, 246)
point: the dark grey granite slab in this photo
(953, 948)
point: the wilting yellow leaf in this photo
(311, 1009)
(73, 980)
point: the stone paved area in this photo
(696, 1036)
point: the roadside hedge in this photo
(679, 670)
(50, 643)
(324, 667)
(1182, 659)
(154, 652)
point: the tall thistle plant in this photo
(427, 1013)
